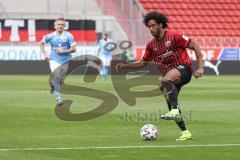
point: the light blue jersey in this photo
(101, 45)
(65, 41)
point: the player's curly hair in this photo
(158, 17)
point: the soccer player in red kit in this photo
(168, 50)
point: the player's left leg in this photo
(105, 66)
(185, 77)
(185, 133)
(169, 89)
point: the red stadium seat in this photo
(176, 6)
(147, 5)
(171, 19)
(215, 41)
(211, 6)
(225, 25)
(184, 6)
(224, 6)
(200, 41)
(197, 25)
(152, 1)
(217, 6)
(222, 12)
(207, 41)
(184, 25)
(235, 19)
(229, 13)
(143, 1)
(181, 12)
(155, 6)
(230, 32)
(192, 19)
(204, 6)
(195, 32)
(186, 19)
(188, 12)
(196, 6)
(174, 12)
(208, 13)
(215, 32)
(178, 19)
(215, 12)
(211, 25)
(202, 32)
(169, 6)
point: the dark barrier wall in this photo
(42, 67)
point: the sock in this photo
(180, 124)
(57, 87)
(104, 71)
(172, 93)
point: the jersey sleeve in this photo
(148, 53)
(47, 38)
(182, 40)
(100, 44)
(71, 40)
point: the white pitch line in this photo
(121, 147)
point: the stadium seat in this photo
(204, 6)
(147, 5)
(211, 25)
(215, 32)
(200, 41)
(229, 13)
(155, 6)
(208, 13)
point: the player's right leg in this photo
(58, 72)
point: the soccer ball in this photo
(149, 132)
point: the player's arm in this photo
(72, 44)
(72, 49)
(147, 57)
(43, 50)
(136, 65)
(200, 70)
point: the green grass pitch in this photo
(30, 130)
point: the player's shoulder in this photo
(52, 34)
(172, 33)
(100, 41)
(110, 40)
(68, 34)
(176, 34)
(152, 41)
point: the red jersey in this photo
(169, 52)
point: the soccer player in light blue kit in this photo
(104, 53)
(62, 45)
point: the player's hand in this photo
(120, 66)
(46, 56)
(199, 73)
(59, 50)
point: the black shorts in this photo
(186, 75)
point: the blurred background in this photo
(214, 24)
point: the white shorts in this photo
(106, 61)
(53, 65)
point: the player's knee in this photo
(166, 85)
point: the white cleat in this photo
(174, 114)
